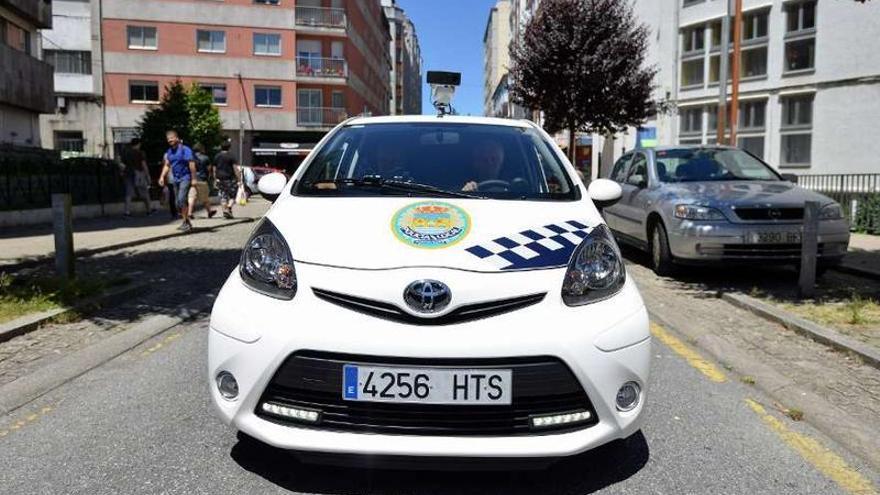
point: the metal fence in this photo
(859, 194)
(28, 180)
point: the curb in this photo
(859, 271)
(29, 262)
(818, 412)
(806, 328)
(29, 323)
(42, 381)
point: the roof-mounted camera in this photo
(443, 86)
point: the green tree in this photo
(582, 63)
(205, 125)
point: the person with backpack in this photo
(228, 175)
(199, 189)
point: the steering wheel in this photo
(493, 183)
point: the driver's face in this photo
(488, 159)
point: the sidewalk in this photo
(864, 254)
(21, 244)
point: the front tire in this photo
(661, 258)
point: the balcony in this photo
(320, 116)
(321, 19)
(319, 67)
(25, 81)
(38, 12)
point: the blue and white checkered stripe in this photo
(541, 247)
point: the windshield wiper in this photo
(398, 185)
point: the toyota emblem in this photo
(427, 296)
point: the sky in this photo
(451, 38)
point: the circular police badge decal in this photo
(431, 224)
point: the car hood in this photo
(744, 192)
(467, 234)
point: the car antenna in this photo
(443, 86)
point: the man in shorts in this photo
(199, 188)
(228, 175)
(179, 160)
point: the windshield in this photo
(710, 164)
(437, 159)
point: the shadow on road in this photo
(581, 474)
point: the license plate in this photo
(775, 237)
(426, 385)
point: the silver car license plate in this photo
(775, 237)
(427, 385)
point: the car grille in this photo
(769, 214)
(540, 385)
(467, 312)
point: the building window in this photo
(752, 114)
(69, 62)
(267, 96)
(217, 91)
(800, 54)
(753, 62)
(267, 44)
(796, 130)
(337, 99)
(800, 16)
(691, 120)
(142, 38)
(692, 72)
(752, 144)
(211, 41)
(754, 26)
(268, 2)
(688, 3)
(15, 37)
(69, 141)
(693, 39)
(143, 92)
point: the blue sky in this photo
(451, 37)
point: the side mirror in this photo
(791, 178)
(637, 180)
(271, 185)
(604, 192)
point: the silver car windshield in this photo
(710, 164)
(438, 159)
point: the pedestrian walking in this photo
(180, 162)
(228, 175)
(199, 189)
(136, 176)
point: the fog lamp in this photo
(560, 419)
(628, 396)
(227, 386)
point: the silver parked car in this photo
(696, 204)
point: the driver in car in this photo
(488, 158)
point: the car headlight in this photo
(697, 212)
(266, 264)
(831, 212)
(595, 271)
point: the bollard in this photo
(62, 225)
(809, 248)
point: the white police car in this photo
(432, 286)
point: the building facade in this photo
(406, 62)
(282, 73)
(25, 80)
(810, 79)
(77, 126)
(496, 53)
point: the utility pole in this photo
(737, 56)
(723, 58)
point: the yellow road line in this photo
(161, 344)
(826, 461)
(691, 356)
(30, 418)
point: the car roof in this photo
(434, 119)
(690, 147)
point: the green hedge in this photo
(868, 215)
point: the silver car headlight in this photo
(596, 270)
(831, 212)
(266, 264)
(698, 212)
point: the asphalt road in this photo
(142, 423)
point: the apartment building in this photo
(281, 72)
(76, 127)
(406, 61)
(810, 79)
(496, 55)
(25, 80)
